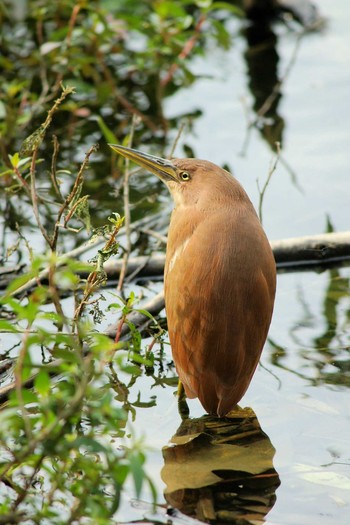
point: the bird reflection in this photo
(221, 470)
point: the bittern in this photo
(219, 279)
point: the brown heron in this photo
(219, 279)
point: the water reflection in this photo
(321, 338)
(262, 59)
(221, 469)
(330, 343)
(262, 68)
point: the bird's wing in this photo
(219, 293)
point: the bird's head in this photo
(190, 181)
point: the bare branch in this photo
(127, 216)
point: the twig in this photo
(177, 138)
(156, 235)
(34, 198)
(23, 182)
(44, 97)
(127, 210)
(65, 92)
(72, 22)
(73, 195)
(56, 147)
(135, 112)
(272, 169)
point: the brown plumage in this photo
(220, 280)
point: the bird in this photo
(219, 279)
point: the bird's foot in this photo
(182, 405)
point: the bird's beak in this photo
(163, 168)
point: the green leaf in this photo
(91, 444)
(20, 281)
(14, 159)
(136, 460)
(27, 396)
(32, 142)
(42, 383)
(6, 326)
(68, 356)
(237, 11)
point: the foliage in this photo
(62, 453)
(64, 456)
(122, 58)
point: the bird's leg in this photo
(183, 409)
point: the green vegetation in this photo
(59, 460)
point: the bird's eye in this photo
(185, 175)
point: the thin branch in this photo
(71, 197)
(156, 235)
(23, 182)
(177, 138)
(127, 216)
(272, 169)
(65, 92)
(34, 198)
(72, 22)
(56, 148)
